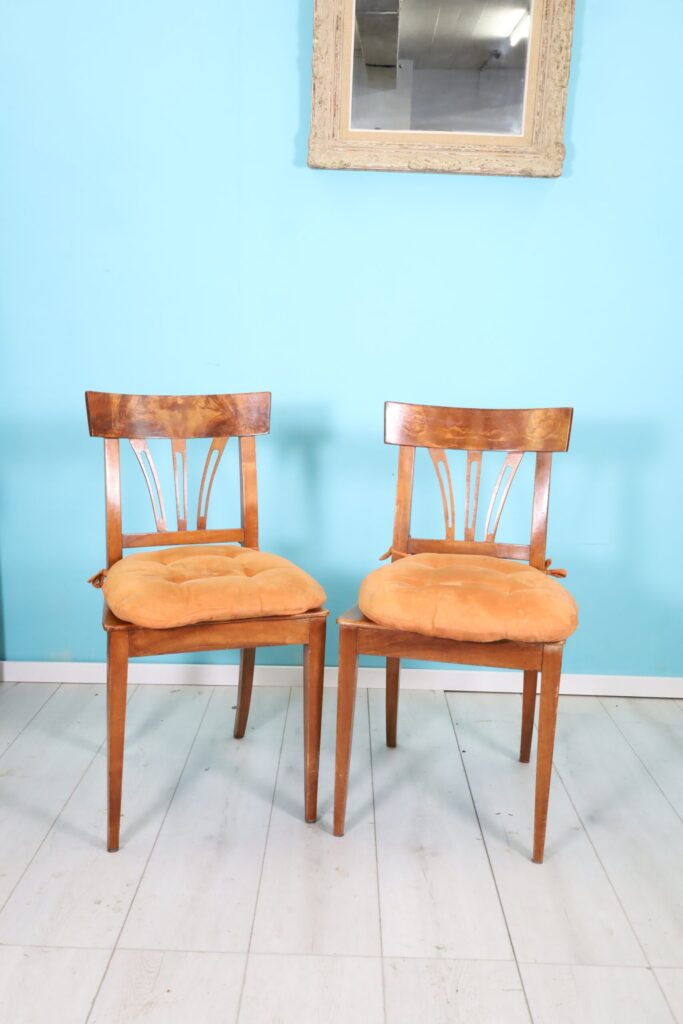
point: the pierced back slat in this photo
(509, 467)
(472, 493)
(440, 462)
(137, 417)
(143, 454)
(179, 453)
(210, 467)
(475, 431)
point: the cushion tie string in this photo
(560, 573)
(98, 579)
(393, 552)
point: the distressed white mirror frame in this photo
(537, 152)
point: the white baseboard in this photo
(290, 675)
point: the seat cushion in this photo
(201, 583)
(469, 597)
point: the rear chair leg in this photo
(244, 686)
(550, 691)
(393, 671)
(528, 711)
(117, 678)
(346, 705)
(314, 670)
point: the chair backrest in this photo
(178, 417)
(476, 431)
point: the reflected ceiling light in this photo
(521, 30)
(496, 21)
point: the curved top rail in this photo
(175, 416)
(435, 426)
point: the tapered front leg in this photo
(314, 670)
(393, 673)
(346, 704)
(550, 691)
(528, 712)
(117, 679)
(244, 687)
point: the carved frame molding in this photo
(538, 153)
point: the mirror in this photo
(471, 86)
(431, 66)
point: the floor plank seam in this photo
(51, 826)
(488, 857)
(648, 965)
(26, 724)
(127, 976)
(356, 956)
(149, 856)
(263, 859)
(622, 733)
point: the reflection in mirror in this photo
(440, 65)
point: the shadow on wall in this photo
(605, 519)
(574, 76)
(292, 468)
(305, 82)
(608, 495)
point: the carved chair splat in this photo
(178, 418)
(475, 431)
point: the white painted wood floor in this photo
(223, 906)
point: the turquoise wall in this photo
(160, 232)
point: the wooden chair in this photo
(177, 418)
(476, 431)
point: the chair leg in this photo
(244, 687)
(550, 691)
(117, 679)
(528, 711)
(346, 704)
(393, 671)
(314, 669)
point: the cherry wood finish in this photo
(550, 692)
(480, 430)
(346, 706)
(177, 418)
(244, 687)
(314, 663)
(528, 712)
(393, 674)
(117, 684)
(515, 431)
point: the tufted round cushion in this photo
(180, 585)
(469, 597)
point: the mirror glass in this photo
(440, 65)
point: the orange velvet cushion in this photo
(469, 597)
(177, 586)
